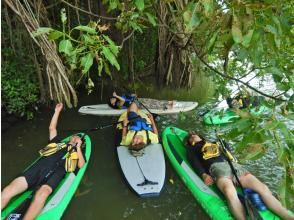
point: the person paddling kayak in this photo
(211, 165)
(44, 175)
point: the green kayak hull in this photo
(209, 197)
(227, 116)
(60, 198)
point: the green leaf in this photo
(212, 41)
(236, 30)
(112, 45)
(151, 19)
(135, 26)
(208, 6)
(53, 35)
(42, 30)
(140, 4)
(88, 39)
(253, 152)
(107, 70)
(63, 16)
(110, 57)
(247, 38)
(113, 5)
(87, 62)
(100, 67)
(274, 31)
(190, 17)
(66, 47)
(85, 29)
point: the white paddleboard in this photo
(145, 174)
(105, 109)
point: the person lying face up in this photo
(121, 102)
(139, 129)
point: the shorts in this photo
(133, 116)
(39, 174)
(223, 169)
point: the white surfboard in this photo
(105, 109)
(145, 174)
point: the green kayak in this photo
(209, 197)
(60, 198)
(227, 116)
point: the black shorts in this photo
(39, 174)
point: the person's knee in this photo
(19, 184)
(263, 189)
(43, 193)
(230, 192)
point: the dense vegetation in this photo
(226, 40)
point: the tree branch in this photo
(235, 79)
(87, 12)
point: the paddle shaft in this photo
(247, 204)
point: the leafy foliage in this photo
(82, 45)
(19, 87)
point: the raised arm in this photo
(54, 121)
(81, 160)
(121, 99)
(155, 131)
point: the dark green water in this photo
(103, 193)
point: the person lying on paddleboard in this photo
(138, 129)
(211, 165)
(48, 171)
(121, 102)
(124, 101)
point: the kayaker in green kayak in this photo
(211, 165)
(243, 99)
(48, 171)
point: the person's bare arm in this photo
(54, 121)
(125, 127)
(155, 131)
(81, 160)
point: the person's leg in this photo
(16, 187)
(227, 187)
(38, 202)
(250, 181)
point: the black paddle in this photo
(249, 207)
(18, 212)
(102, 126)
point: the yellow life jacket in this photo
(210, 150)
(130, 135)
(51, 149)
(71, 160)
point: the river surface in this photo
(103, 193)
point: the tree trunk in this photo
(174, 65)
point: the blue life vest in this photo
(140, 124)
(128, 100)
